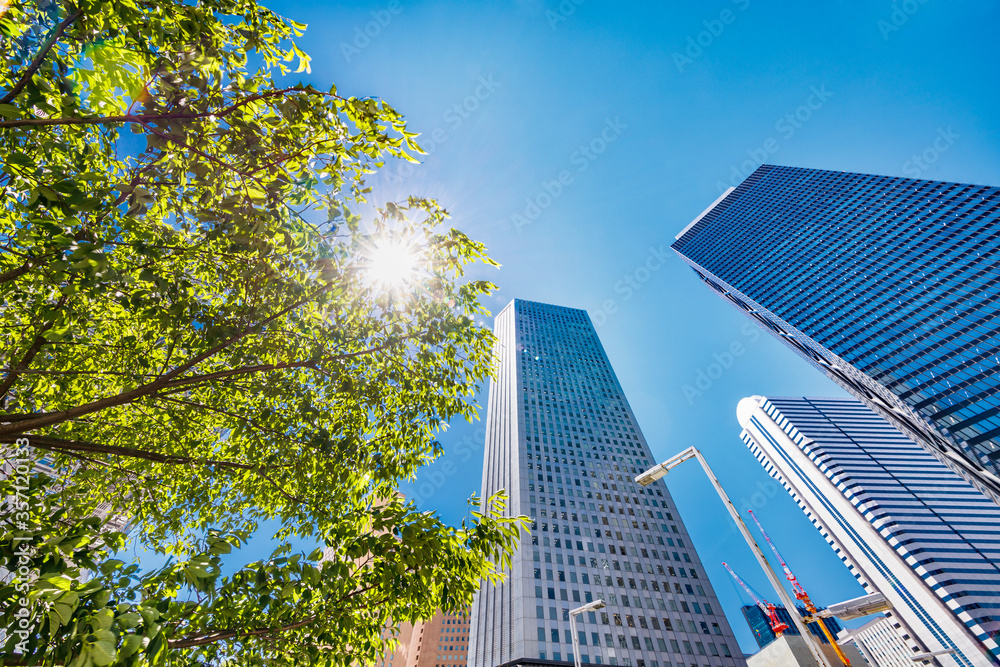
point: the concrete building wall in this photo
(792, 651)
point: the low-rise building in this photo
(881, 642)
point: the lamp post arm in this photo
(576, 642)
(689, 453)
(761, 559)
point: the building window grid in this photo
(935, 201)
(788, 413)
(534, 393)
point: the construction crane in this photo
(769, 609)
(800, 593)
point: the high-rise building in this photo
(440, 641)
(890, 286)
(904, 524)
(562, 440)
(760, 625)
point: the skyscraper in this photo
(890, 286)
(903, 523)
(443, 641)
(563, 442)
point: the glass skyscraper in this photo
(563, 442)
(903, 523)
(890, 286)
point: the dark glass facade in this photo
(889, 285)
(764, 635)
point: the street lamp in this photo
(921, 657)
(660, 470)
(856, 608)
(573, 613)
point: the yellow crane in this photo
(800, 593)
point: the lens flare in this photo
(392, 264)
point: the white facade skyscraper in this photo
(563, 442)
(904, 524)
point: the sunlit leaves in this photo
(108, 77)
(185, 320)
(396, 565)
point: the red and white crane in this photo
(800, 593)
(769, 609)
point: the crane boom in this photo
(769, 609)
(800, 592)
(797, 588)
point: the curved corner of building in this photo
(746, 407)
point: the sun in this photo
(392, 264)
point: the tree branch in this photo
(13, 274)
(182, 143)
(208, 408)
(39, 371)
(130, 476)
(245, 370)
(40, 57)
(12, 424)
(284, 365)
(33, 350)
(61, 445)
(221, 635)
(72, 447)
(213, 636)
(48, 419)
(147, 118)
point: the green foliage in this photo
(187, 316)
(319, 609)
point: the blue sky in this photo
(576, 139)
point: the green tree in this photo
(196, 319)
(290, 609)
